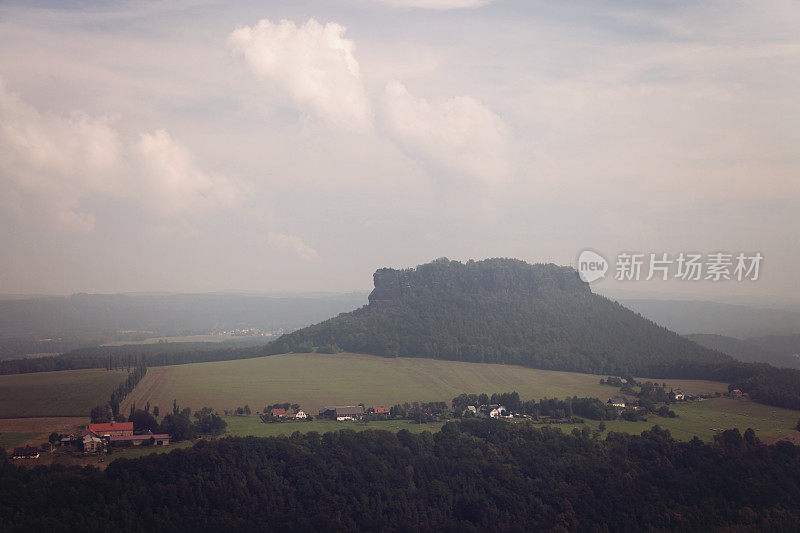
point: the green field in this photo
(315, 380)
(699, 419)
(704, 419)
(62, 393)
(12, 440)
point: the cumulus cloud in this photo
(294, 243)
(313, 65)
(437, 4)
(52, 165)
(458, 136)
(174, 183)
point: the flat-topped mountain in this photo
(499, 311)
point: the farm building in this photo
(92, 444)
(343, 412)
(25, 452)
(280, 413)
(678, 395)
(300, 414)
(380, 410)
(111, 429)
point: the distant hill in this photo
(499, 311)
(738, 321)
(58, 324)
(747, 350)
(786, 345)
(168, 312)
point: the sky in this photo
(300, 145)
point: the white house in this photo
(92, 444)
(300, 414)
(678, 395)
(496, 412)
(619, 403)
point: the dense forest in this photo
(500, 311)
(473, 475)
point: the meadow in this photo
(315, 380)
(61, 393)
(703, 419)
(706, 418)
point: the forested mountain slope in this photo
(745, 350)
(499, 311)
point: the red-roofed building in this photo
(381, 410)
(112, 429)
(279, 412)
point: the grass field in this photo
(704, 419)
(315, 380)
(63, 393)
(34, 431)
(11, 440)
(699, 419)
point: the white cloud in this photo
(437, 4)
(294, 243)
(312, 64)
(53, 159)
(458, 136)
(52, 165)
(172, 182)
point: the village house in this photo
(677, 395)
(25, 452)
(496, 411)
(380, 410)
(300, 414)
(489, 411)
(736, 393)
(278, 413)
(111, 429)
(341, 413)
(619, 403)
(92, 443)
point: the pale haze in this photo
(298, 146)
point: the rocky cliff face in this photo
(502, 276)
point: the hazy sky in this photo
(293, 145)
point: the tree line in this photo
(473, 475)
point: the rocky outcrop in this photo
(502, 276)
